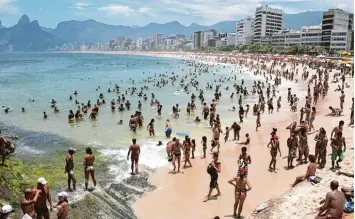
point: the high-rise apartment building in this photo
(197, 40)
(337, 28)
(159, 39)
(244, 31)
(267, 21)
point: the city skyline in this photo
(125, 12)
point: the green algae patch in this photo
(19, 175)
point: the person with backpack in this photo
(213, 169)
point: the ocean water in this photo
(47, 76)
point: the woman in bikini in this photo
(258, 123)
(187, 148)
(242, 186)
(150, 128)
(313, 117)
(176, 154)
(274, 147)
(311, 171)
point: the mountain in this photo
(296, 21)
(48, 30)
(28, 36)
(91, 31)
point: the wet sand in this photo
(181, 195)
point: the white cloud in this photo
(123, 9)
(81, 5)
(7, 6)
(144, 10)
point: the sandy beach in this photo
(181, 195)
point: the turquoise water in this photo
(47, 76)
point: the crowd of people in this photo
(35, 203)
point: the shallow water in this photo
(46, 76)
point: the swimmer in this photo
(120, 122)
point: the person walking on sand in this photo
(44, 195)
(69, 168)
(176, 154)
(312, 118)
(333, 204)
(134, 150)
(274, 147)
(342, 99)
(243, 161)
(89, 160)
(62, 206)
(3, 143)
(258, 123)
(216, 134)
(337, 149)
(241, 187)
(311, 171)
(214, 168)
(187, 148)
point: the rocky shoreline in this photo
(112, 200)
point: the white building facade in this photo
(267, 21)
(311, 35)
(244, 31)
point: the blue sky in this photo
(141, 12)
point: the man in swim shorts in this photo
(89, 160)
(69, 168)
(134, 150)
(337, 149)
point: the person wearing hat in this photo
(44, 195)
(27, 204)
(62, 206)
(5, 211)
(241, 187)
(69, 168)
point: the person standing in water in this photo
(168, 129)
(89, 160)
(150, 128)
(134, 150)
(69, 168)
(241, 187)
(214, 168)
